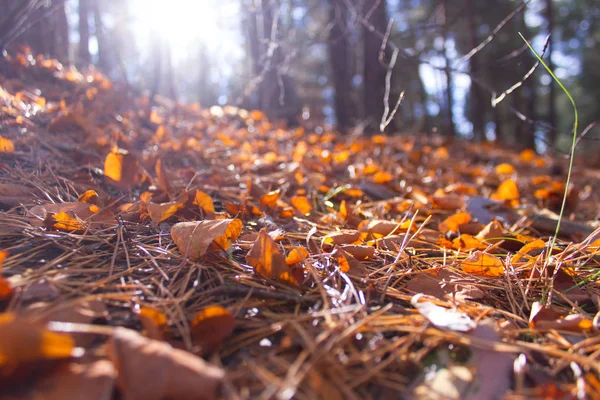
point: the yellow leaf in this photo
(483, 264)
(66, 221)
(163, 211)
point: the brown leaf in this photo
(153, 370)
(24, 345)
(211, 326)
(95, 381)
(122, 168)
(154, 322)
(442, 283)
(194, 238)
(265, 258)
(162, 177)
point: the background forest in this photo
(320, 62)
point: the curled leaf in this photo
(194, 238)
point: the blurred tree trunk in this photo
(477, 100)
(339, 52)
(528, 100)
(552, 94)
(451, 129)
(374, 72)
(254, 51)
(83, 53)
(104, 62)
(62, 34)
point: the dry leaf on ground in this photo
(152, 370)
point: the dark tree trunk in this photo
(449, 82)
(83, 53)
(340, 64)
(477, 100)
(374, 72)
(552, 94)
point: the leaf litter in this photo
(174, 251)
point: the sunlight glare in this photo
(185, 24)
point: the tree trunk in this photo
(339, 61)
(374, 72)
(83, 54)
(552, 94)
(477, 100)
(104, 62)
(451, 129)
(62, 34)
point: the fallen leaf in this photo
(6, 145)
(154, 322)
(297, 255)
(163, 211)
(302, 204)
(543, 318)
(270, 199)
(25, 344)
(444, 283)
(162, 177)
(508, 190)
(210, 327)
(122, 168)
(265, 258)
(443, 317)
(194, 238)
(453, 223)
(203, 201)
(6, 290)
(153, 370)
(484, 264)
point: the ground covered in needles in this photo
(152, 250)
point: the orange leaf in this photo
(162, 177)
(504, 169)
(342, 260)
(23, 345)
(5, 289)
(265, 258)
(302, 204)
(211, 326)
(382, 177)
(163, 211)
(89, 197)
(508, 190)
(6, 145)
(467, 242)
(66, 221)
(204, 202)
(122, 168)
(523, 254)
(270, 199)
(297, 255)
(194, 238)
(154, 322)
(527, 155)
(483, 264)
(453, 223)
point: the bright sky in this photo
(184, 23)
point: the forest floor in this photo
(189, 253)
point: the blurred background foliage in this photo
(322, 63)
